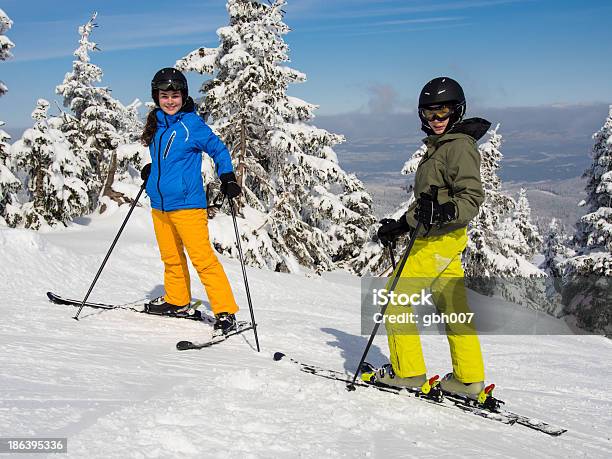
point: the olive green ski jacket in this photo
(452, 163)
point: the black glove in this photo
(229, 185)
(430, 212)
(145, 172)
(391, 229)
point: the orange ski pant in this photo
(188, 229)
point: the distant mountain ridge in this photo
(540, 143)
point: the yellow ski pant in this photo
(435, 264)
(188, 229)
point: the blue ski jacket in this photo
(176, 161)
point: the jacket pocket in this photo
(185, 186)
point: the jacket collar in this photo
(165, 120)
(473, 127)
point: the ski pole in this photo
(351, 386)
(244, 273)
(391, 246)
(142, 188)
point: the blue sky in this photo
(365, 56)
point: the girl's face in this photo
(170, 101)
(438, 126)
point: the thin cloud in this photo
(61, 54)
(416, 21)
(384, 25)
(361, 32)
(392, 10)
(119, 32)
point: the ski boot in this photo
(161, 307)
(452, 385)
(225, 323)
(419, 385)
(476, 392)
(385, 375)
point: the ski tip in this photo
(183, 345)
(278, 356)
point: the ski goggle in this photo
(169, 85)
(440, 112)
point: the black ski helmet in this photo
(169, 78)
(440, 91)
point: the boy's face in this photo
(438, 126)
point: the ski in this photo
(216, 339)
(448, 400)
(468, 404)
(139, 306)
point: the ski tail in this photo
(73, 302)
(241, 327)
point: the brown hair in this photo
(149, 130)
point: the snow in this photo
(114, 384)
(6, 176)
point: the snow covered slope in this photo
(114, 384)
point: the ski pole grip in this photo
(434, 193)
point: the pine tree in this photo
(44, 155)
(556, 251)
(129, 152)
(594, 228)
(93, 127)
(493, 261)
(483, 245)
(374, 257)
(304, 209)
(522, 219)
(5, 43)
(588, 275)
(9, 184)
(410, 166)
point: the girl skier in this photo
(176, 136)
(451, 168)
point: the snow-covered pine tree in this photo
(130, 122)
(410, 166)
(93, 127)
(302, 208)
(588, 277)
(374, 257)
(119, 181)
(556, 251)
(492, 261)
(5, 43)
(521, 217)
(43, 154)
(9, 184)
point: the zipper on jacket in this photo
(159, 163)
(169, 144)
